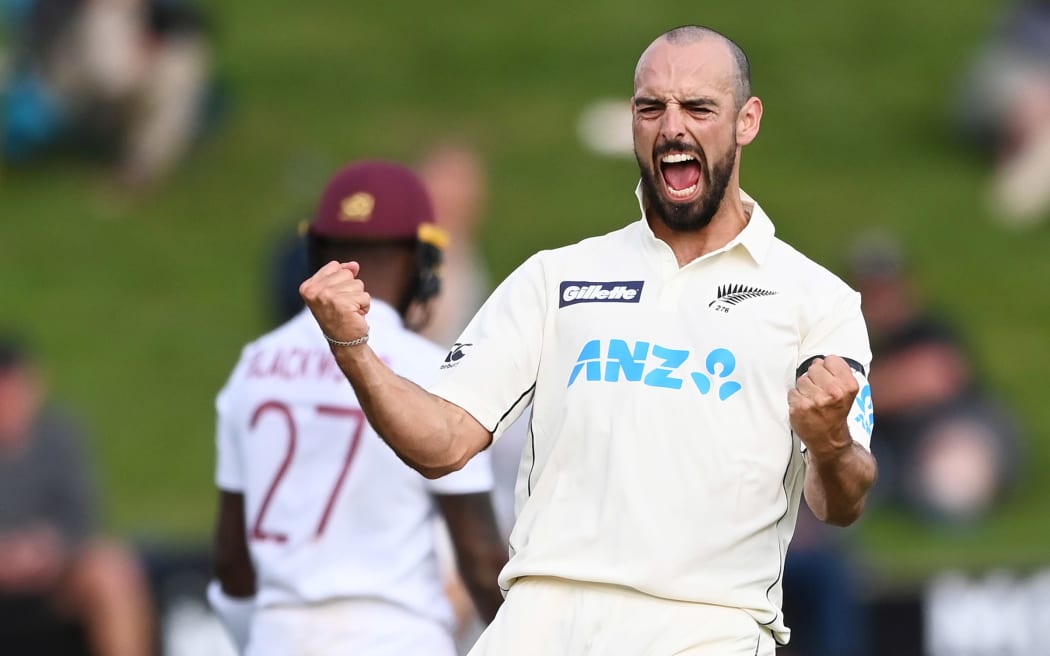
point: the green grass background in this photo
(140, 305)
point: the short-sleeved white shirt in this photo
(331, 512)
(660, 454)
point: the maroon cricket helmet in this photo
(373, 200)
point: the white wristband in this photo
(234, 613)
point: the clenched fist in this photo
(820, 403)
(338, 300)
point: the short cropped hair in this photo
(685, 34)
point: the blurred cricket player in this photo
(325, 541)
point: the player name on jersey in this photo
(295, 363)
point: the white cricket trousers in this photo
(346, 628)
(554, 617)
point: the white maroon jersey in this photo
(330, 510)
(659, 454)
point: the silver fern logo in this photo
(730, 295)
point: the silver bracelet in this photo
(353, 342)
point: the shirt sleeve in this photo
(491, 370)
(839, 329)
(229, 464)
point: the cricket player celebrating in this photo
(690, 375)
(325, 539)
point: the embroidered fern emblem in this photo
(733, 294)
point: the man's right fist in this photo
(338, 301)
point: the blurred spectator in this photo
(53, 567)
(126, 78)
(945, 445)
(1005, 108)
(456, 178)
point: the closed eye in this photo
(648, 108)
(699, 110)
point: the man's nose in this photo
(672, 124)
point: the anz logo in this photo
(654, 365)
(865, 416)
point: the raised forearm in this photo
(838, 481)
(840, 471)
(433, 436)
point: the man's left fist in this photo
(820, 403)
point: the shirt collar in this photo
(756, 237)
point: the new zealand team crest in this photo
(731, 295)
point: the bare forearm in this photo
(837, 483)
(433, 436)
(480, 551)
(485, 593)
(232, 559)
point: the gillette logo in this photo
(578, 291)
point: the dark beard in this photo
(687, 217)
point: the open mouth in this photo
(681, 174)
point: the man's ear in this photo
(748, 121)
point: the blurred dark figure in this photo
(945, 446)
(823, 593)
(125, 79)
(287, 267)
(54, 570)
(1004, 108)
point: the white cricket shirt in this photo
(660, 454)
(331, 511)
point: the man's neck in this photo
(730, 219)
